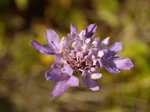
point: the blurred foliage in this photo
(23, 87)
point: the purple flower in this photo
(80, 53)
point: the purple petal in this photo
(96, 42)
(90, 30)
(61, 86)
(59, 59)
(56, 75)
(100, 53)
(73, 29)
(96, 76)
(62, 43)
(59, 89)
(67, 69)
(56, 66)
(73, 81)
(52, 37)
(97, 39)
(93, 85)
(42, 48)
(123, 63)
(104, 43)
(88, 82)
(112, 69)
(108, 63)
(116, 47)
(82, 33)
(85, 77)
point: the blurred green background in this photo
(23, 87)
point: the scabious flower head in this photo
(80, 53)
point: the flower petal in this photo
(123, 63)
(56, 66)
(96, 76)
(104, 43)
(52, 37)
(82, 33)
(90, 30)
(112, 69)
(73, 29)
(116, 47)
(62, 43)
(55, 75)
(88, 82)
(93, 85)
(73, 81)
(100, 53)
(42, 48)
(67, 69)
(96, 42)
(61, 86)
(59, 89)
(59, 59)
